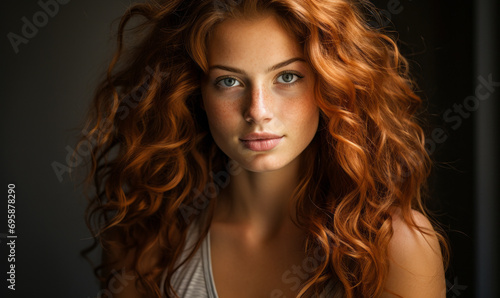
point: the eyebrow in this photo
(272, 68)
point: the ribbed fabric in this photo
(195, 280)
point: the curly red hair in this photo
(153, 146)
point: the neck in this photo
(259, 201)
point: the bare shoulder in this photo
(415, 260)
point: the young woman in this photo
(260, 148)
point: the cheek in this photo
(307, 124)
(309, 121)
(221, 116)
(304, 114)
(304, 108)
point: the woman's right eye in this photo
(228, 82)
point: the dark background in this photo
(47, 85)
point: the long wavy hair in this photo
(153, 153)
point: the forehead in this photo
(261, 38)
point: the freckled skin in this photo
(249, 89)
(280, 101)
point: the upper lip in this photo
(260, 136)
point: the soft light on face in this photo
(258, 93)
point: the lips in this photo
(261, 141)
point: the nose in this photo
(258, 107)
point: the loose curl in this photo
(152, 147)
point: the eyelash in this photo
(279, 75)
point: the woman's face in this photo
(258, 93)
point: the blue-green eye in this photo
(288, 78)
(228, 82)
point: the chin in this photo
(262, 163)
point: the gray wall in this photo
(45, 89)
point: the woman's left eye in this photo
(228, 82)
(288, 78)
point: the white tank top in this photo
(194, 279)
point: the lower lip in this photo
(261, 145)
